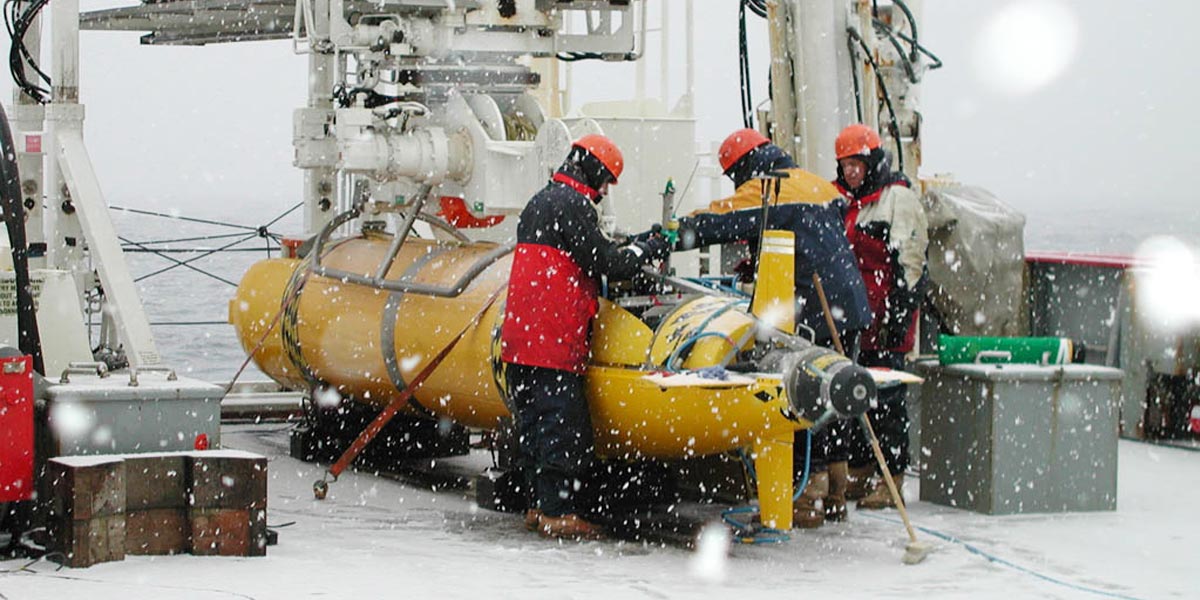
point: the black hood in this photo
(763, 159)
(879, 174)
(581, 166)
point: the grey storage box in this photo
(127, 412)
(1006, 439)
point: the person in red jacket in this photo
(886, 226)
(560, 257)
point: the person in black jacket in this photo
(560, 257)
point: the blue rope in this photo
(744, 532)
(717, 284)
(807, 463)
(691, 341)
(699, 331)
(1000, 561)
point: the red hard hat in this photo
(738, 144)
(605, 151)
(856, 140)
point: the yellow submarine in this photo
(365, 314)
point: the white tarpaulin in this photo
(976, 260)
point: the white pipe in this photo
(664, 62)
(690, 90)
(64, 50)
(822, 101)
(62, 115)
(319, 182)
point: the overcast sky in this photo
(1050, 104)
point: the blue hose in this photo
(807, 464)
(699, 331)
(1004, 563)
(691, 341)
(745, 532)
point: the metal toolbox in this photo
(91, 411)
(1006, 439)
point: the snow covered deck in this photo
(376, 537)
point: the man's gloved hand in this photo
(897, 318)
(654, 247)
(643, 236)
(670, 232)
(745, 270)
(892, 330)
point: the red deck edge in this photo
(1082, 259)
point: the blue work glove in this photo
(716, 372)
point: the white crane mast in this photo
(413, 104)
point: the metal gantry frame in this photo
(423, 99)
(53, 159)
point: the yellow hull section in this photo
(368, 342)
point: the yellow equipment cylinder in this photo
(304, 329)
(368, 342)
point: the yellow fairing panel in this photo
(719, 320)
(618, 337)
(633, 417)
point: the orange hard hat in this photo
(737, 145)
(856, 140)
(605, 151)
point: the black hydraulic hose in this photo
(858, 104)
(912, 25)
(758, 7)
(887, 98)
(937, 62)
(744, 69)
(29, 340)
(891, 36)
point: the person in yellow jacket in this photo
(811, 208)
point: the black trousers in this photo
(554, 434)
(889, 419)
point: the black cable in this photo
(284, 214)
(187, 263)
(130, 248)
(18, 25)
(25, 49)
(758, 7)
(858, 103)
(887, 99)
(912, 25)
(191, 239)
(28, 339)
(138, 211)
(186, 323)
(887, 30)
(744, 69)
(937, 62)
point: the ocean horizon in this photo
(210, 350)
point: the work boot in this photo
(531, 519)
(881, 496)
(808, 510)
(835, 502)
(858, 483)
(567, 527)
